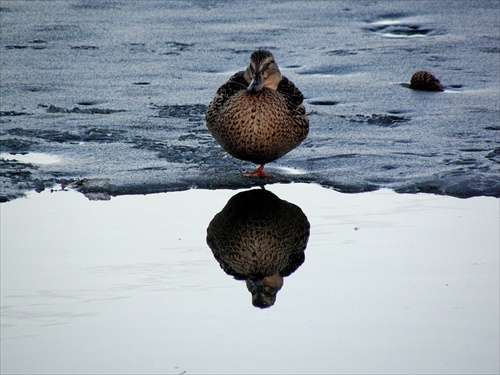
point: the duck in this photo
(261, 239)
(258, 115)
(425, 81)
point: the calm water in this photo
(391, 283)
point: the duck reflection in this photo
(259, 238)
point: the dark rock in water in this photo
(425, 81)
(55, 109)
(182, 111)
(16, 145)
(13, 113)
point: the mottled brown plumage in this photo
(425, 81)
(258, 115)
(259, 238)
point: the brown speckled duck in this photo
(425, 81)
(259, 238)
(258, 115)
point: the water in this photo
(117, 91)
(391, 283)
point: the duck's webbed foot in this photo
(259, 172)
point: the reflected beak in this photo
(257, 83)
(261, 297)
(255, 286)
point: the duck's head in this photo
(262, 72)
(264, 290)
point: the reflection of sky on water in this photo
(390, 283)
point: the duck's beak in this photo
(255, 286)
(257, 83)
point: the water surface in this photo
(391, 283)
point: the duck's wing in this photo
(291, 93)
(235, 84)
(293, 264)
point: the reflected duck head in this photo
(262, 72)
(264, 290)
